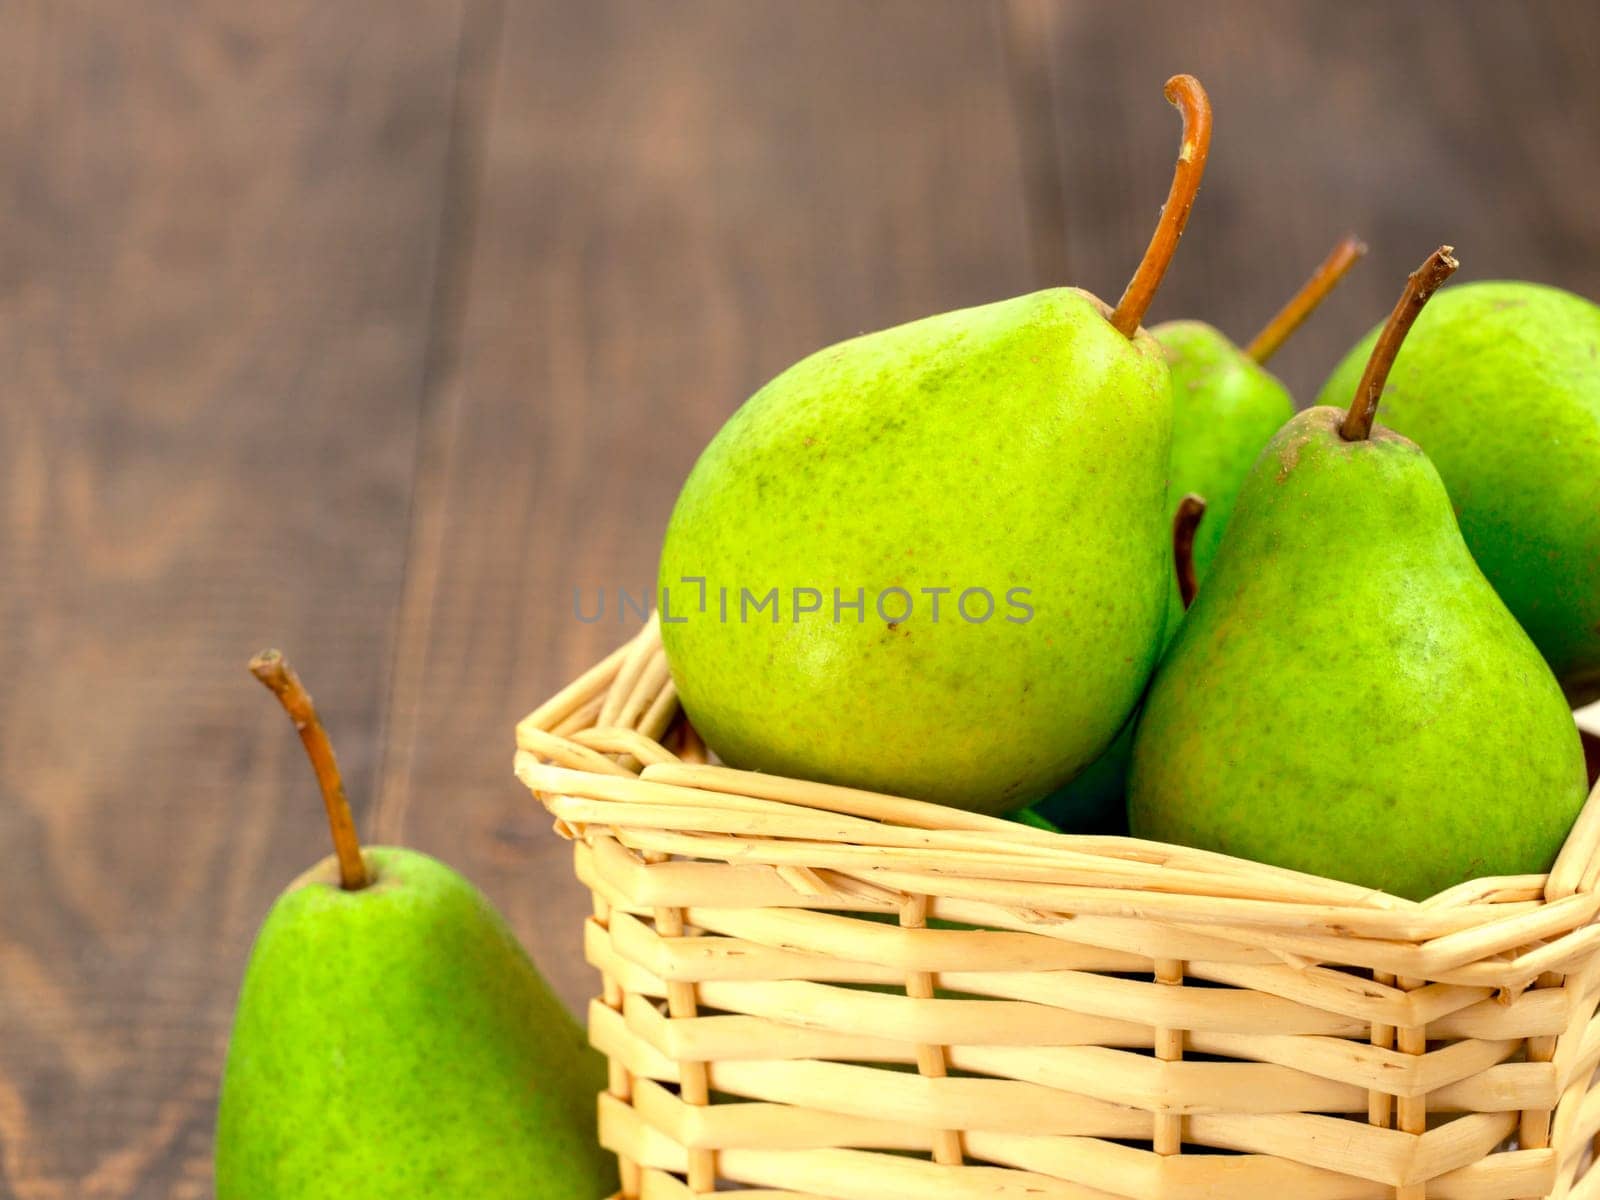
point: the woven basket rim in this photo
(593, 755)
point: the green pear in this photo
(1096, 801)
(1348, 696)
(396, 1041)
(1500, 384)
(1226, 406)
(1013, 454)
(392, 1039)
(960, 524)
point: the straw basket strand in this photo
(816, 993)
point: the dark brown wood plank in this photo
(216, 272)
(678, 201)
(1410, 124)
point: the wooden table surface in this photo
(373, 330)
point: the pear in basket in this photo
(933, 560)
(1096, 802)
(392, 1039)
(1225, 407)
(1500, 384)
(1348, 696)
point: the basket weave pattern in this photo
(816, 993)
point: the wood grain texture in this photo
(217, 274)
(676, 202)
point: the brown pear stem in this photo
(1184, 93)
(1421, 284)
(1304, 302)
(273, 670)
(1184, 523)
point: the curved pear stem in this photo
(1304, 302)
(1422, 284)
(1184, 523)
(1184, 93)
(273, 670)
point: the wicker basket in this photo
(812, 992)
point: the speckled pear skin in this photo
(1500, 383)
(397, 1042)
(1348, 696)
(1021, 444)
(1225, 408)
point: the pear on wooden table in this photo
(392, 1038)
